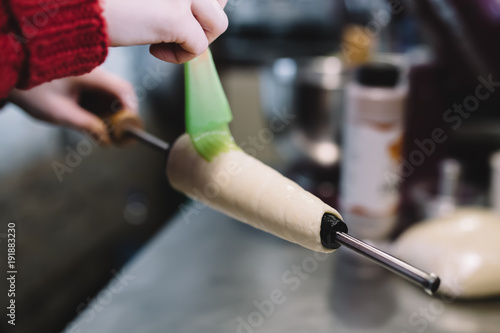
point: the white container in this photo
(373, 137)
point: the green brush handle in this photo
(206, 103)
(207, 109)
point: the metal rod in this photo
(429, 282)
(148, 139)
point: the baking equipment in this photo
(122, 124)
(207, 118)
(429, 282)
(334, 230)
(334, 233)
(207, 110)
(147, 138)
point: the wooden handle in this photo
(103, 104)
(118, 123)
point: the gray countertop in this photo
(208, 273)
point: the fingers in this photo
(44, 104)
(112, 84)
(192, 41)
(66, 112)
(53, 102)
(171, 52)
(211, 17)
(194, 33)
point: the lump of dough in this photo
(242, 187)
(462, 249)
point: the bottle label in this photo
(371, 154)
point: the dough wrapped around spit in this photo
(244, 188)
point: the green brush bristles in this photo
(207, 109)
(211, 143)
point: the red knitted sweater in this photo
(42, 40)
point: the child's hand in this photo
(57, 101)
(179, 30)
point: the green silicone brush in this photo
(207, 109)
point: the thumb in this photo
(222, 3)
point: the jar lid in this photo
(377, 75)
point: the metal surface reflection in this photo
(208, 275)
(362, 296)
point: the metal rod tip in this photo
(433, 284)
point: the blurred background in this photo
(301, 77)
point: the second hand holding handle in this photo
(123, 125)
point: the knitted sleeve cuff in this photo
(10, 63)
(11, 56)
(60, 38)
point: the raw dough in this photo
(462, 249)
(242, 187)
